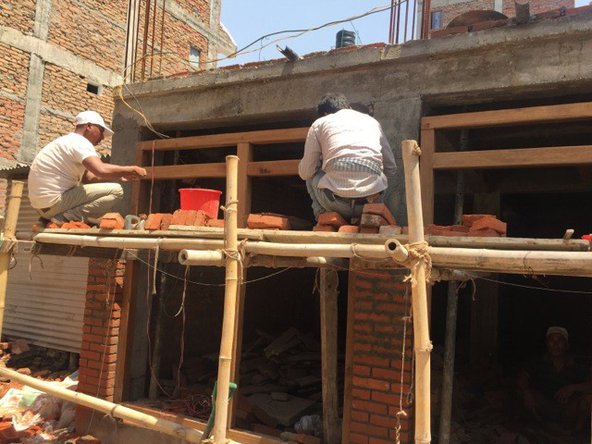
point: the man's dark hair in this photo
(331, 103)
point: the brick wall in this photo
(102, 314)
(378, 303)
(18, 14)
(14, 68)
(91, 29)
(536, 7)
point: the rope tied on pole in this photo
(418, 252)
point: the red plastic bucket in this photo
(201, 199)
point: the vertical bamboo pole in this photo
(421, 333)
(12, 211)
(230, 296)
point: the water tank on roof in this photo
(345, 38)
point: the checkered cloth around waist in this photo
(354, 164)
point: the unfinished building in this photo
(516, 101)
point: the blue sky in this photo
(248, 20)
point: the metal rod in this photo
(392, 23)
(153, 37)
(406, 20)
(162, 37)
(145, 41)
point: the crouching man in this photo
(346, 160)
(66, 177)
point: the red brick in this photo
(358, 393)
(489, 222)
(486, 232)
(153, 222)
(390, 230)
(112, 221)
(369, 230)
(268, 220)
(331, 218)
(218, 223)
(380, 210)
(201, 219)
(369, 383)
(327, 228)
(356, 438)
(165, 221)
(449, 31)
(369, 429)
(180, 217)
(349, 229)
(469, 219)
(369, 406)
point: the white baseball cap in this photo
(93, 118)
(558, 330)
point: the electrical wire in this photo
(252, 281)
(529, 287)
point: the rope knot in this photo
(418, 252)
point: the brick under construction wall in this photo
(100, 334)
(378, 308)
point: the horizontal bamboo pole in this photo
(306, 237)
(116, 410)
(558, 263)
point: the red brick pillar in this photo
(378, 304)
(102, 313)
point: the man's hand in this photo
(564, 393)
(136, 173)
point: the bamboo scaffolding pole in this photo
(306, 237)
(555, 263)
(230, 300)
(12, 211)
(421, 335)
(115, 410)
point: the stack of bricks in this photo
(270, 221)
(473, 225)
(375, 218)
(379, 303)
(188, 218)
(100, 332)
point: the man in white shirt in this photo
(65, 177)
(346, 159)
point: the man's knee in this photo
(117, 191)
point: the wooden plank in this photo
(245, 154)
(426, 173)
(262, 137)
(515, 158)
(124, 349)
(328, 298)
(518, 116)
(349, 356)
(186, 171)
(273, 168)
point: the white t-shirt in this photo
(57, 168)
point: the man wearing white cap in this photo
(554, 388)
(65, 180)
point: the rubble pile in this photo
(29, 416)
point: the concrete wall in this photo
(399, 81)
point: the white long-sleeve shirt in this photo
(343, 137)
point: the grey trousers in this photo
(86, 202)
